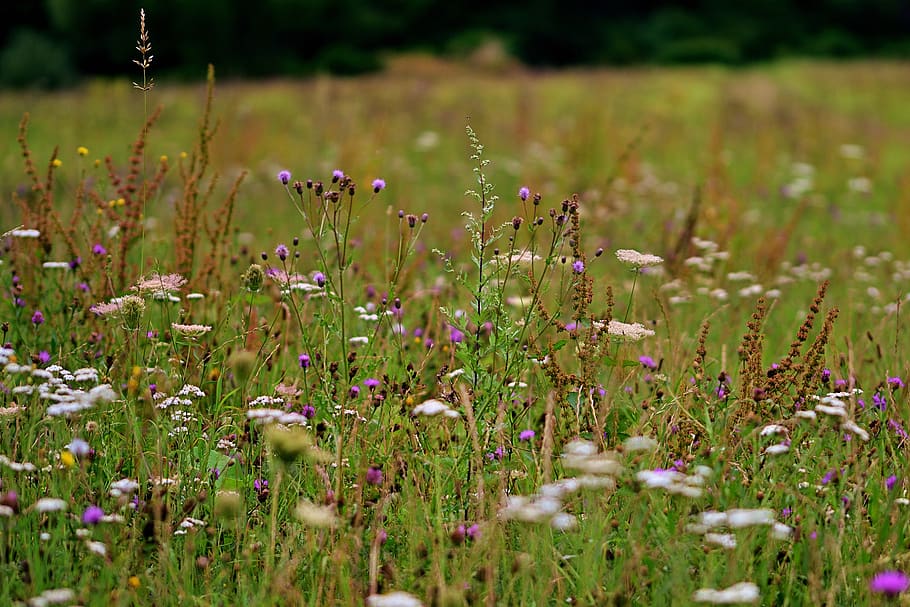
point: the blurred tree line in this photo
(55, 42)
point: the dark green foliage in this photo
(294, 37)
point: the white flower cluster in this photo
(433, 408)
(739, 518)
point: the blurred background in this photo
(56, 43)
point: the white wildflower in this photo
(749, 517)
(639, 443)
(563, 521)
(724, 540)
(393, 599)
(780, 531)
(433, 407)
(56, 265)
(50, 504)
(630, 331)
(124, 486)
(851, 426)
(638, 260)
(98, 548)
(743, 592)
(315, 516)
(20, 233)
(777, 449)
(773, 429)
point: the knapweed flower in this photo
(98, 249)
(895, 382)
(319, 279)
(378, 184)
(374, 476)
(337, 174)
(92, 515)
(37, 318)
(282, 252)
(523, 193)
(44, 357)
(889, 583)
(284, 177)
(308, 411)
(578, 266)
(371, 383)
(526, 435)
(648, 362)
(304, 361)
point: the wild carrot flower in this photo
(378, 184)
(50, 504)
(635, 259)
(190, 330)
(284, 177)
(743, 592)
(393, 599)
(890, 583)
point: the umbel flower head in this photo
(638, 260)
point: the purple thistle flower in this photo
(578, 266)
(895, 382)
(647, 361)
(496, 455)
(826, 375)
(92, 515)
(473, 532)
(526, 435)
(374, 476)
(82, 286)
(337, 174)
(571, 326)
(378, 184)
(879, 401)
(37, 318)
(282, 252)
(75, 263)
(99, 249)
(319, 279)
(309, 411)
(44, 357)
(455, 335)
(354, 391)
(890, 482)
(260, 485)
(284, 177)
(371, 383)
(890, 583)
(523, 193)
(304, 360)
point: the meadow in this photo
(458, 336)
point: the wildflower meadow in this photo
(449, 337)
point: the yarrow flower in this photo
(284, 177)
(378, 184)
(890, 583)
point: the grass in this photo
(278, 454)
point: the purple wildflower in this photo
(890, 583)
(75, 263)
(44, 357)
(371, 383)
(354, 391)
(92, 515)
(786, 512)
(309, 411)
(473, 532)
(374, 476)
(284, 177)
(282, 252)
(82, 286)
(526, 435)
(304, 360)
(319, 279)
(378, 184)
(578, 266)
(895, 382)
(890, 482)
(826, 375)
(37, 318)
(523, 193)
(647, 362)
(98, 249)
(879, 401)
(260, 485)
(496, 455)
(455, 335)
(337, 174)
(571, 326)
